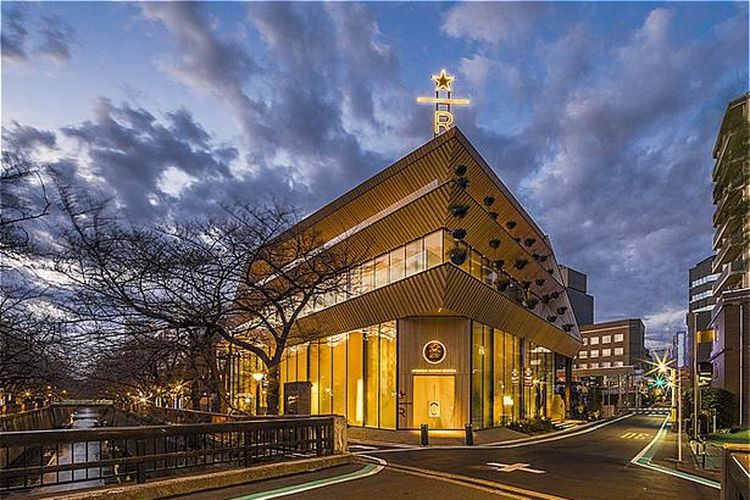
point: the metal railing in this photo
(95, 457)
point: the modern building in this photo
(730, 319)
(456, 313)
(700, 335)
(581, 302)
(611, 349)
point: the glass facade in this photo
(352, 374)
(495, 381)
(539, 383)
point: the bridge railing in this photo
(136, 454)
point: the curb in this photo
(202, 482)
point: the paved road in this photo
(594, 465)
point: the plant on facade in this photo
(561, 310)
(521, 263)
(459, 210)
(462, 182)
(460, 169)
(529, 241)
(503, 284)
(567, 327)
(458, 255)
(540, 281)
(493, 215)
(458, 234)
(495, 244)
(526, 285)
(531, 302)
(499, 263)
(551, 318)
(510, 224)
(489, 200)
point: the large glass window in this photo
(339, 370)
(325, 377)
(481, 376)
(476, 264)
(414, 257)
(314, 379)
(355, 381)
(367, 277)
(398, 264)
(388, 375)
(381, 271)
(372, 378)
(433, 246)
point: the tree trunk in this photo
(272, 390)
(195, 395)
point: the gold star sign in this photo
(443, 81)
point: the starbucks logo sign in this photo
(434, 352)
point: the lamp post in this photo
(258, 377)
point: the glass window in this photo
(397, 269)
(433, 247)
(488, 275)
(585, 341)
(325, 377)
(618, 337)
(355, 281)
(476, 264)
(481, 372)
(355, 379)
(618, 351)
(381, 271)
(367, 275)
(388, 375)
(314, 378)
(594, 365)
(583, 354)
(606, 339)
(582, 366)
(606, 364)
(618, 363)
(338, 390)
(594, 340)
(595, 353)
(606, 352)
(414, 257)
(500, 374)
(372, 375)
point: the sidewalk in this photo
(666, 456)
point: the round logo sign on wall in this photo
(434, 352)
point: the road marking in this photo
(493, 487)
(501, 445)
(366, 471)
(361, 447)
(643, 459)
(636, 436)
(513, 467)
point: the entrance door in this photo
(434, 399)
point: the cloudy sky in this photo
(601, 117)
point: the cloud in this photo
(492, 23)
(26, 139)
(14, 35)
(57, 37)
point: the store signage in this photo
(434, 352)
(433, 409)
(443, 116)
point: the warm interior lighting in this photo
(257, 376)
(433, 370)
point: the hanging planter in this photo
(539, 281)
(543, 258)
(561, 310)
(526, 285)
(529, 241)
(531, 302)
(549, 270)
(495, 244)
(517, 240)
(510, 224)
(499, 263)
(521, 263)
(459, 211)
(567, 327)
(489, 200)
(535, 256)
(459, 234)
(552, 318)
(546, 298)
(458, 256)
(462, 182)
(460, 170)
(554, 295)
(503, 284)
(493, 215)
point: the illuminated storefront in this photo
(456, 312)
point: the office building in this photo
(581, 302)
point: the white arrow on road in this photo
(513, 467)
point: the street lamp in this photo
(258, 377)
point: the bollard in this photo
(423, 438)
(469, 435)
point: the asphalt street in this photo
(591, 465)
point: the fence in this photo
(120, 454)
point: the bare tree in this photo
(244, 279)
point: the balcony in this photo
(730, 275)
(728, 202)
(729, 227)
(731, 248)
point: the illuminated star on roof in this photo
(443, 81)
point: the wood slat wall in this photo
(413, 334)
